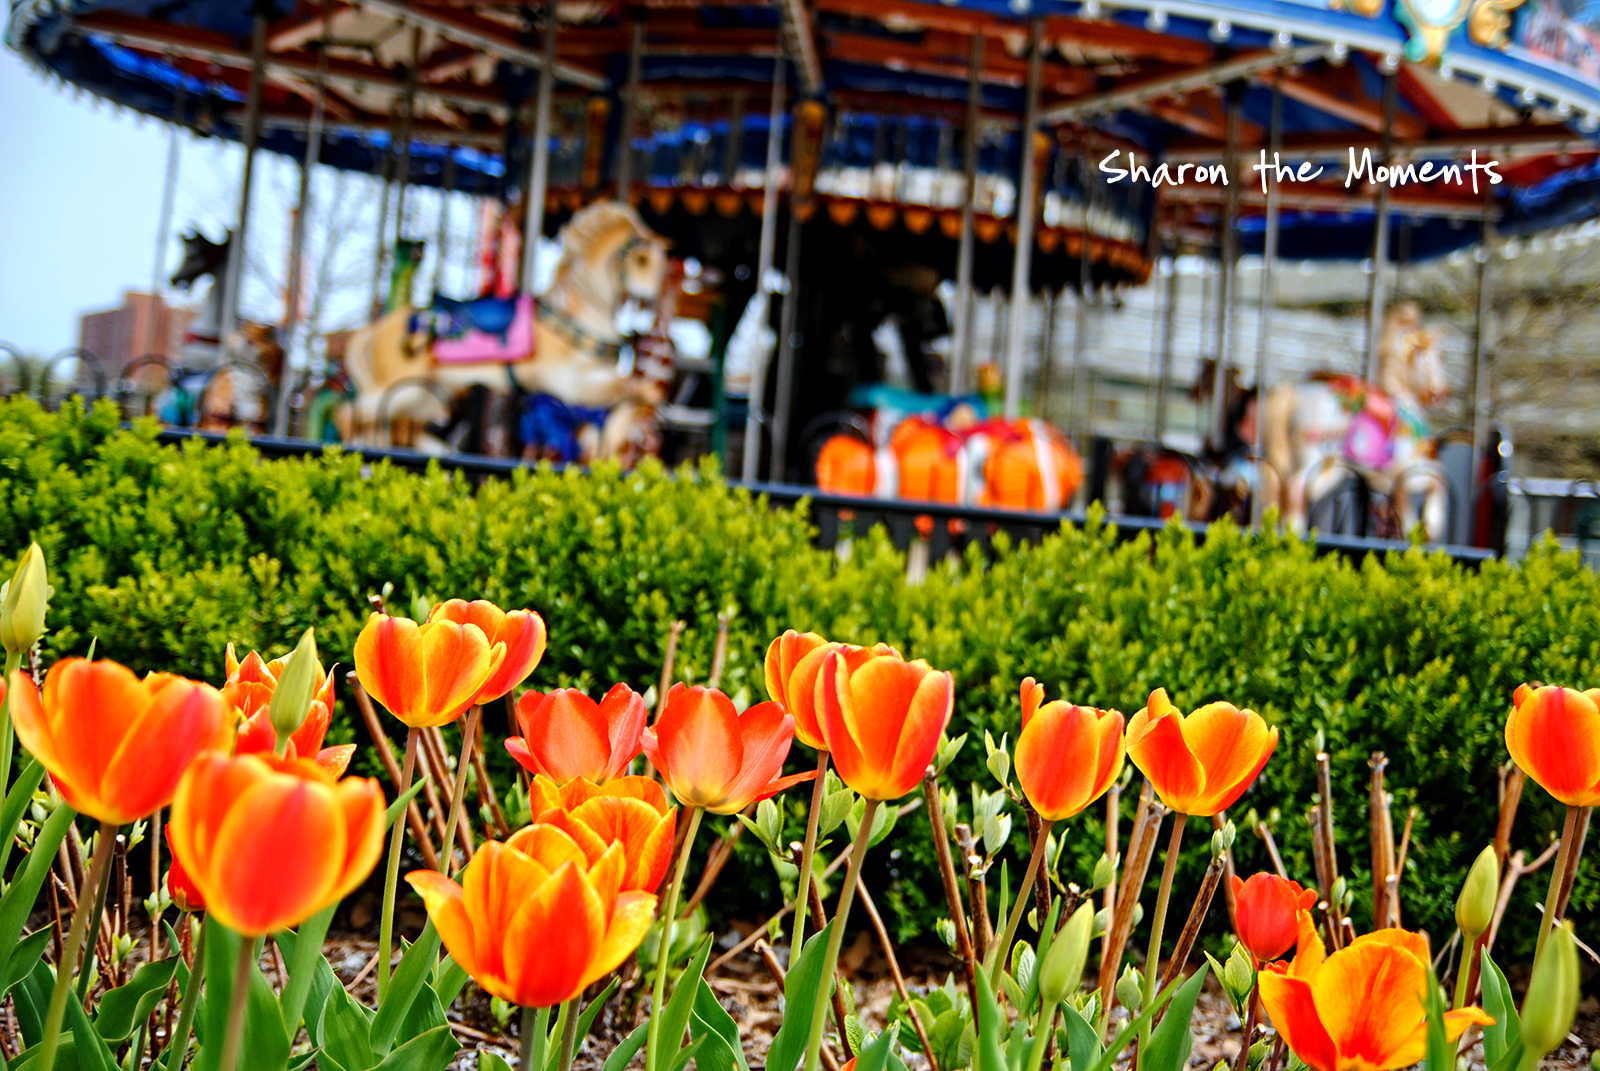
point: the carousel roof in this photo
(1518, 83)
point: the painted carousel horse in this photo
(563, 345)
(1311, 430)
(207, 388)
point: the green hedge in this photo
(165, 554)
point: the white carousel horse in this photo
(1314, 429)
(567, 349)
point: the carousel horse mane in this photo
(595, 234)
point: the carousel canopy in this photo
(1415, 82)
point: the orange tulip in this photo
(249, 691)
(1066, 756)
(271, 841)
(1268, 910)
(794, 662)
(185, 897)
(425, 674)
(882, 720)
(537, 922)
(1360, 1009)
(713, 757)
(1200, 764)
(1554, 735)
(522, 631)
(630, 811)
(565, 734)
(116, 745)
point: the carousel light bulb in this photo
(1529, 96)
(1563, 107)
(1091, 9)
(1340, 51)
(1391, 63)
(1489, 84)
(1221, 30)
(1156, 21)
(1284, 39)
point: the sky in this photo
(80, 204)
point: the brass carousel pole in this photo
(539, 160)
(1380, 230)
(408, 123)
(252, 135)
(1077, 420)
(1228, 257)
(297, 236)
(961, 323)
(1169, 325)
(1022, 261)
(630, 110)
(1269, 297)
(764, 255)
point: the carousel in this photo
(804, 178)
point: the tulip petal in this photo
(1554, 735)
(494, 884)
(362, 807)
(926, 716)
(336, 759)
(1059, 759)
(639, 828)
(567, 734)
(881, 693)
(443, 900)
(1292, 1008)
(698, 746)
(624, 712)
(592, 843)
(267, 831)
(1232, 746)
(1032, 697)
(630, 921)
(553, 940)
(803, 702)
(834, 704)
(179, 721)
(1369, 998)
(387, 661)
(1157, 746)
(765, 733)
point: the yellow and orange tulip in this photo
(1360, 1009)
(115, 745)
(249, 692)
(882, 720)
(522, 631)
(567, 735)
(630, 811)
(1066, 755)
(270, 841)
(1554, 735)
(1201, 764)
(793, 666)
(426, 674)
(535, 923)
(715, 758)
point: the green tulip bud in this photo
(22, 603)
(1594, 1060)
(1104, 871)
(296, 688)
(1130, 989)
(1238, 976)
(1062, 970)
(1475, 905)
(1552, 1001)
(1258, 1054)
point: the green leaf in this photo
(16, 805)
(346, 1026)
(123, 1008)
(491, 1061)
(801, 990)
(1083, 1040)
(431, 1050)
(723, 1050)
(988, 1056)
(426, 1014)
(17, 904)
(835, 809)
(592, 1010)
(1441, 1054)
(623, 1053)
(25, 957)
(306, 967)
(675, 1016)
(266, 1044)
(409, 979)
(449, 977)
(30, 998)
(1172, 1039)
(401, 802)
(1505, 1036)
(89, 1048)
(691, 1051)
(874, 1056)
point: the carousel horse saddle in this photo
(483, 329)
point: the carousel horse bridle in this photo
(576, 333)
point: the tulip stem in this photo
(535, 1033)
(808, 852)
(191, 997)
(13, 662)
(1017, 910)
(1564, 859)
(841, 915)
(1152, 961)
(569, 1034)
(469, 732)
(1252, 1017)
(99, 864)
(669, 914)
(239, 1000)
(101, 893)
(391, 877)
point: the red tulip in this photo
(1066, 756)
(185, 895)
(713, 757)
(882, 721)
(1268, 909)
(565, 734)
(522, 631)
(249, 691)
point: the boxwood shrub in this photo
(163, 554)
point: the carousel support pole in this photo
(407, 124)
(1169, 330)
(1228, 256)
(382, 251)
(961, 324)
(539, 160)
(169, 195)
(1480, 360)
(442, 242)
(1077, 419)
(735, 146)
(784, 389)
(297, 235)
(1047, 354)
(630, 111)
(769, 229)
(1269, 299)
(1380, 232)
(1022, 261)
(252, 135)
